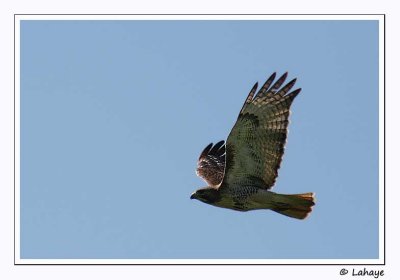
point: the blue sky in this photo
(115, 113)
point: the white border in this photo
(196, 17)
(203, 261)
(381, 138)
(380, 260)
(17, 137)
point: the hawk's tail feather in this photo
(296, 206)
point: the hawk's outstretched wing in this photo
(211, 163)
(255, 146)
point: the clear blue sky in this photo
(115, 113)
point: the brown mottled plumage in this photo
(241, 173)
(211, 163)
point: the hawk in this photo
(241, 172)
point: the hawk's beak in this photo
(193, 196)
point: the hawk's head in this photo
(208, 195)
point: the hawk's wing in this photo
(255, 146)
(211, 163)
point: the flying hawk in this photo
(241, 172)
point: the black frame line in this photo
(222, 264)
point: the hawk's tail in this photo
(296, 206)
